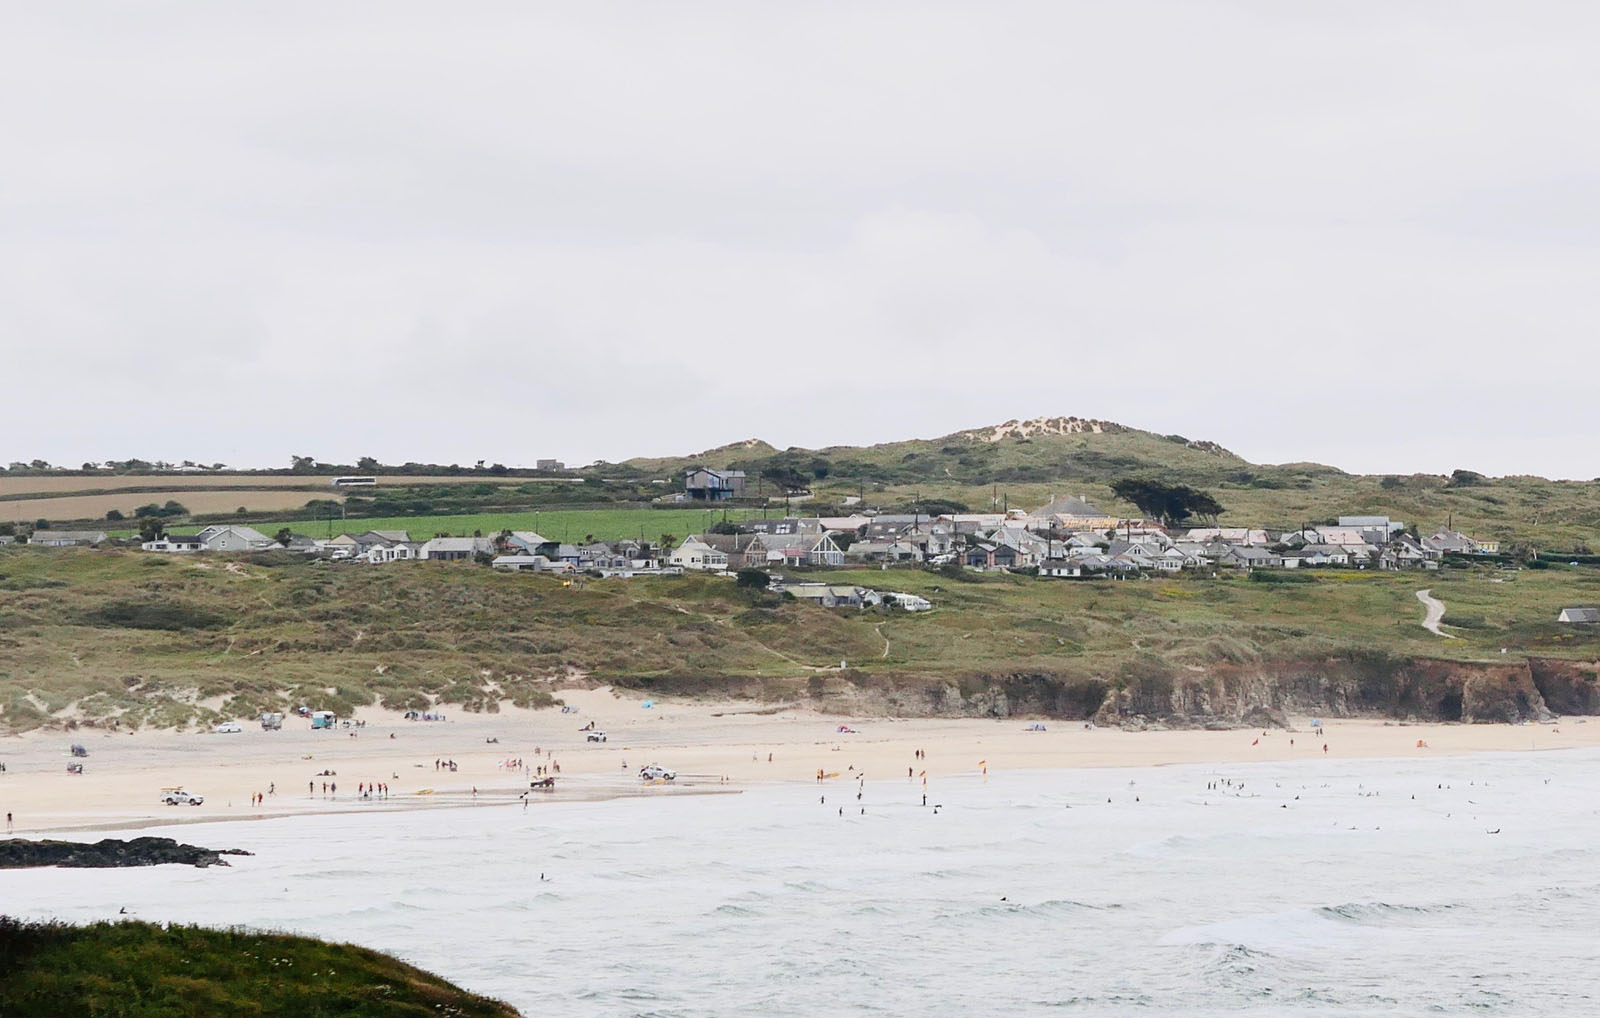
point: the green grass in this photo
(571, 525)
(141, 970)
(145, 638)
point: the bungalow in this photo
(1579, 615)
(1451, 542)
(529, 563)
(1247, 557)
(736, 547)
(175, 544)
(830, 596)
(68, 538)
(883, 551)
(455, 549)
(694, 553)
(1317, 555)
(234, 538)
(1061, 568)
(1243, 536)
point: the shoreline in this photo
(716, 748)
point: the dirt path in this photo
(1435, 613)
(879, 630)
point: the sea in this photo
(1429, 886)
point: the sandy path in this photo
(1435, 613)
(715, 747)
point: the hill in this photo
(141, 970)
(1025, 463)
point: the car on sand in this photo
(178, 797)
(228, 728)
(656, 772)
(595, 737)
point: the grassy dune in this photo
(140, 970)
(173, 642)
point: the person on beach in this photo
(334, 787)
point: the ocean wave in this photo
(1380, 911)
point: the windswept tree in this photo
(1170, 503)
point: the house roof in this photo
(1580, 614)
(88, 536)
(1067, 505)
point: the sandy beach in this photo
(715, 748)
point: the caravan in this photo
(324, 719)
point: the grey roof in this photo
(1581, 614)
(1069, 506)
(81, 536)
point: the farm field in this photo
(90, 507)
(557, 524)
(12, 487)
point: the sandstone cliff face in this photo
(1228, 695)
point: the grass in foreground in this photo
(141, 970)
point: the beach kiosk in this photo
(323, 719)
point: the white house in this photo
(175, 544)
(455, 549)
(234, 538)
(694, 553)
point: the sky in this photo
(1362, 234)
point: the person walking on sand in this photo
(334, 788)
(8, 823)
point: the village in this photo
(1068, 538)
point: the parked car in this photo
(656, 772)
(595, 737)
(228, 728)
(178, 797)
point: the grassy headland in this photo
(141, 970)
(168, 641)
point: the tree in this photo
(284, 536)
(114, 515)
(151, 528)
(723, 527)
(1465, 479)
(667, 543)
(41, 524)
(752, 578)
(1170, 503)
(368, 465)
(302, 464)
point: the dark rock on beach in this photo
(19, 853)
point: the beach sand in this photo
(714, 747)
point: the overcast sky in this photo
(1363, 234)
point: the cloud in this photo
(1361, 236)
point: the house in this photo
(795, 549)
(1317, 555)
(1382, 523)
(529, 563)
(234, 539)
(883, 551)
(527, 542)
(988, 555)
(68, 538)
(1243, 536)
(175, 544)
(736, 548)
(1579, 615)
(1451, 542)
(694, 553)
(1061, 568)
(1247, 557)
(7, 539)
(379, 553)
(705, 485)
(1071, 513)
(787, 525)
(908, 602)
(455, 549)
(830, 596)
(549, 465)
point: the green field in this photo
(570, 525)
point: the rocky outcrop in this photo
(19, 853)
(1568, 687)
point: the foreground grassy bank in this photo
(149, 640)
(140, 970)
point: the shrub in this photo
(754, 579)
